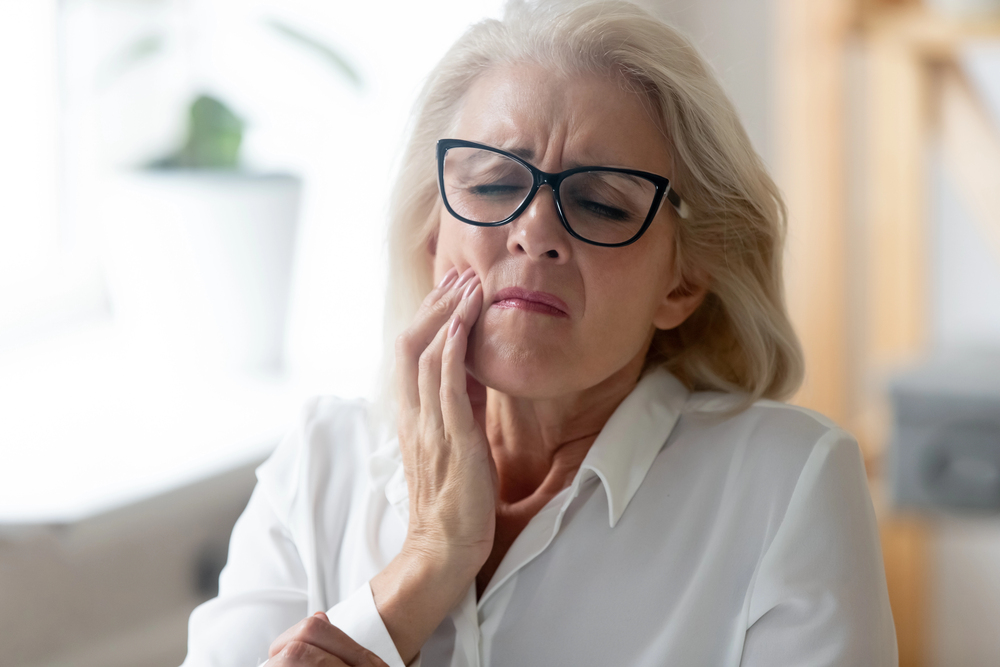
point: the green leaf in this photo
(315, 45)
(213, 141)
(133, 54)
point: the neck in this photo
(539, 444)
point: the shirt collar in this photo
(620, 456)
(633, 436)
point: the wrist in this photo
(447, 563)
(416, 591)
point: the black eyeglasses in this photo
(605, 206)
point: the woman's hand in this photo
(450, 472)
(315, 642)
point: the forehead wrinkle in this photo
(513, 145)
(547, 124)
(511, 116)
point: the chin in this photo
(520, 371)
(522, 356)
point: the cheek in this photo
(620, 322)
(461, 245)
(447, 247)
(624, 299)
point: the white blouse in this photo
(684, 539)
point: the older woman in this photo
(587, 462)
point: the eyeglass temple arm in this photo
(679, 204)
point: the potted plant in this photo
(198, 248)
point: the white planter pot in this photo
(199, 264)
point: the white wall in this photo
(966, 267)
(737, 38)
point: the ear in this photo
(432, 244)
(682, 300)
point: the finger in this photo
(305, 627)
(409, 344)
(278, 644)
(302, 654)
(429, 381)
(317, 631)
(408, 338)
(422, 341)
(433, 313)
(429, 366)
(456, 407)
(437, 305)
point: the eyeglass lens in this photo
(602, 206)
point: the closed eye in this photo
(597, 208)
(495, 189)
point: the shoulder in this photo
(765, 426)
(330, 427)
(327, 447)
(763, 451)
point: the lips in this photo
(539, 302)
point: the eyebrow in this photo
(522, 152)
(528, 154)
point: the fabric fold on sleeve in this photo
(819, 597)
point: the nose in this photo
(538, 232)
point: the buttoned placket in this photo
(470, 616)
(638, 427)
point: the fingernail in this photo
(470, 289)
(448, 277)
(465, 277)
(455, 323)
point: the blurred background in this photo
(192, 208)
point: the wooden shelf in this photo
(863, 87)
(933, 36)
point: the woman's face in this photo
(612, 298)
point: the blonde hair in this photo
(739, 339)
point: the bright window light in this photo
(94, 419)
(29, 129)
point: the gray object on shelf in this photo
(945, 448)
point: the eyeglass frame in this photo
(554, 180)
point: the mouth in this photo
(537, 302)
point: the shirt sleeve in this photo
(262, 593)
(358, 617)
(265, 586)
(819, 597)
